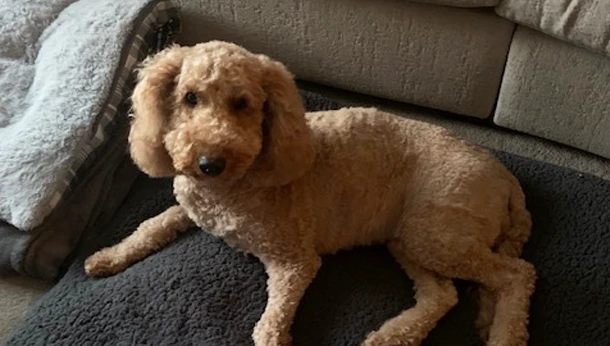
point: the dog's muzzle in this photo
(212, 167)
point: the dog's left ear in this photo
(289, 151)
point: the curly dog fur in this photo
(297, 186)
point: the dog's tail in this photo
(510, 243)
(517, 234)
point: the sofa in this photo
(537, 70)
(540, 67)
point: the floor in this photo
(16, 296)
(17, 293)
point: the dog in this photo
(250, 166)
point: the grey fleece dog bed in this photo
(199, 291)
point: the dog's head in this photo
(217, 112)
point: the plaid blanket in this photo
(66, 73)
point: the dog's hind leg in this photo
(512, 282)
(434, 296)
(445, 248)
(487, 309)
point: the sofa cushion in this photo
(460, 3)
(557, 91)
(440, 57)
(582, 22)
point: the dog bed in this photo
(199, 291)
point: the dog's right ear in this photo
(151, 110)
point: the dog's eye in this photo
(190, 99)
(239, 104)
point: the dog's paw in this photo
(105, 262)
(381, 339)
(264, 335)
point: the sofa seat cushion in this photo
(557, 91)
(460, 3)
(582, 22)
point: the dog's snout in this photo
(212, 166)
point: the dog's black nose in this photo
(211, 166)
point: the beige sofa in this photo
(540, 67)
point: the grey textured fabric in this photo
(582, 22)
(556, 91)
(441, 57)
(199, 291)
(22, 24)
(63, 72)
(460, 3)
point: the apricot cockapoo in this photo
(250, 166)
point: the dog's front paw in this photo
(105, 262)
(265, 335)
(381, 339)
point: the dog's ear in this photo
(151, 109)
(288, 150)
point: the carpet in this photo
(199, 291)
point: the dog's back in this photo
(373, 168)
